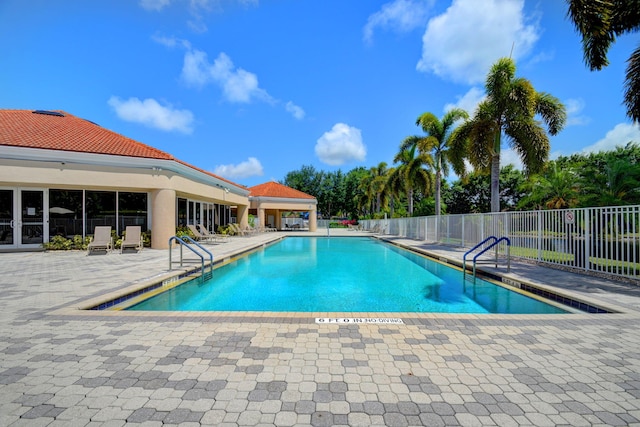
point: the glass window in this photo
(65, 213)
(196, 214)
(6, 217)
(132, 210)
(182, 213)
(100, 209)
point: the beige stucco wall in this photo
(162, 185)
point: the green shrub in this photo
(61, 243)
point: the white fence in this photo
(595, 239)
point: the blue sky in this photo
(251, 90)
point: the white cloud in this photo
(150, 113)
(246, 169)
(171, 42)
(461, 44)
(295, 110)
(341, 144)
(574, 107)
(399, 16)
(510, 157)
(468, 102)
(238, 85)
(620, 135)
(197, 9)
(157, 5)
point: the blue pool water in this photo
(320, 274)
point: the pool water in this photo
(341, 274)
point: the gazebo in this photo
(270, 200)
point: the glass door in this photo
(32, 226)
(7, 221)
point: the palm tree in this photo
(395, 189)
(411, 171)
(556, 189)
(600, 23)
(618, 184)
(373, 188)
(510, 107)
(439, 142)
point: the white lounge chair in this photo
(101, 239)
(132, 238)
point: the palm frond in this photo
(632, 86)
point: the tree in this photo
(556, 188)
(411, 171)
(473, 194)
(511, 107)
(438, 142)
(373, 188)
(352, 193)
(307, 179)
(617, 184)
(600, 23)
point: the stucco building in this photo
(64, 175)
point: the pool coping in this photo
(83, 306)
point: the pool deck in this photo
(62, 366)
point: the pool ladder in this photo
(187, 242)
(492, 242)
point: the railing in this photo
(494, 244)
(186, 241)
(603, 240)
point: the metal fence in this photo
(602, 240)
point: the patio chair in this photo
(235, 228)
(212, 235)
(132, 238)
(198, 236)
(101, 239)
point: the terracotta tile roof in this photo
(274, 189)
(58, 130)
(24, 128)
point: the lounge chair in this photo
(101, 239)
(198, 236)
(235, 228)
(132, 238)
(212, 235)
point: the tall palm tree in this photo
(395, 189)
(600, 23)
(511, 107)
(411, 170)
(373, 187)
(439, 142)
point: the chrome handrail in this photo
(186, 241)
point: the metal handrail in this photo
(495, 242)
(184, 241)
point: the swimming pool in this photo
(350, 274)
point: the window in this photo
(65, 213)
(182, 213)
(132, 210)
(100, 209)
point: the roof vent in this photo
(93, 123)
(48, 113)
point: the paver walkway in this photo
(111, 370)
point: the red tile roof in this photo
(58, 130)
(274, 189)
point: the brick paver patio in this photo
(63, 367)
